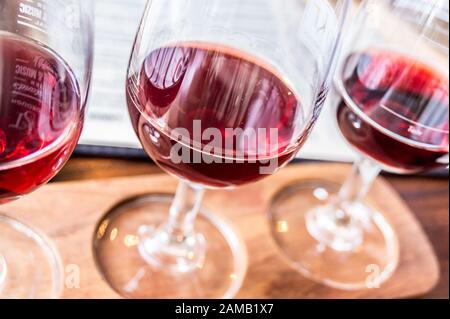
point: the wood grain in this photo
(71, 211)
(427, 198)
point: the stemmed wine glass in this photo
(221, 94)
(45, 67)
(393, 109)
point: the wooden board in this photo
(69, 212)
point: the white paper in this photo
(108, 122)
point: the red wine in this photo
(405, 104)
(39, 116)
(225, 90)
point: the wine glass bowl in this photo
(219, 98)
(217, 123)
(39, 128)
(395, 110)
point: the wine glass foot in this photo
(363, 256)
(137, 259)
(30, 267)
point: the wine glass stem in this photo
(358, 183)
(175, 246)
(339, 225)
(184, 209)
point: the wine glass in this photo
(45, 67)
(221, 94)
(393, 110)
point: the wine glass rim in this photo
(360, 113)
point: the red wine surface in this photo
(223, 89)
(405, 105)
(39, 116)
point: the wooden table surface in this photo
(427, 197)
